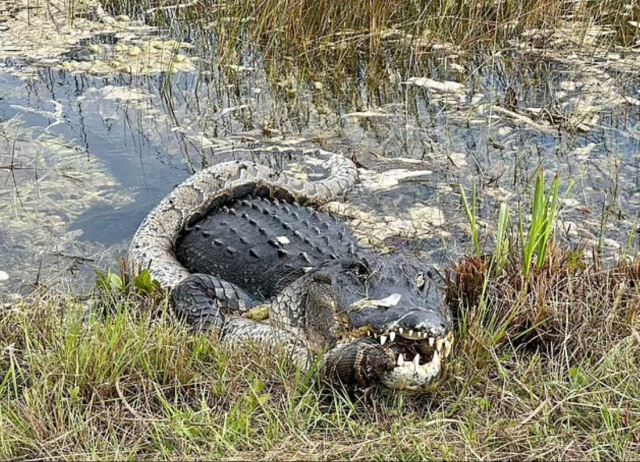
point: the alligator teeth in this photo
(433, 367)
(383, 339)
(447, 348)
(375, 335)
(431, 341)
(439, 343)
(410, 370)
(401, 330)
(392, 336)
(412, 335)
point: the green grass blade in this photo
(470, 212)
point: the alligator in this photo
(239, 235)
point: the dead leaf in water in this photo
(446, 86)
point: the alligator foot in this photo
(201, 300)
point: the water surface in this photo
(84, 158)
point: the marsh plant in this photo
(314, 32)
(531, 292)
(533, 239)
(544, 211)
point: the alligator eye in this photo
(435, 275)
(362, 270)
(322, 278)
(357, 267)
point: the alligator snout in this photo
(414, 323)
(417, 337)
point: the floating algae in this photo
(48, 182)
(70, 36)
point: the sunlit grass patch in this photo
(72, 381)
(126, 387)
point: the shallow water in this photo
(84, 158)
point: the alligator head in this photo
(381, 321)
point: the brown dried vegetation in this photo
(567, 305)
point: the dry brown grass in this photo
(128, 387)
(325, 32)
(566, 305)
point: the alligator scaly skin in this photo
(154, 242)
(237, 251)
(262, 245)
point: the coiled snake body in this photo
(239, 234)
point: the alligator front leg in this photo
(202, 299)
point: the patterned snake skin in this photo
(153, 243)
(407, 311)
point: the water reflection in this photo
(135, 138)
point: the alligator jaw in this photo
(411, 375)
(442, 345)
(419, 358)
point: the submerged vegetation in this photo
(311, 40)
(547, 344)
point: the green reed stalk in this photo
(545, 209)
(470, 212)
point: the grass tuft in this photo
(544, 211)
(134, 385)
(322, 34)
